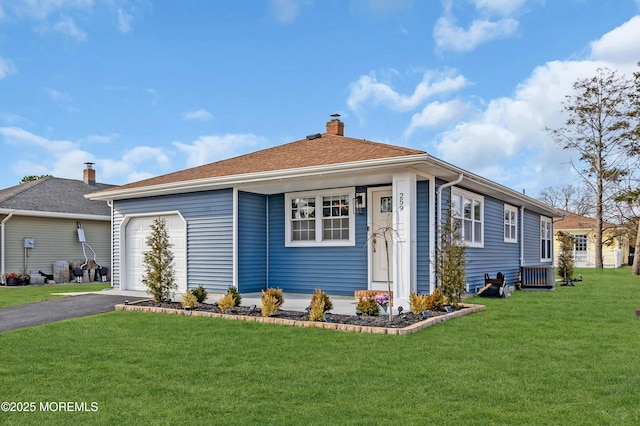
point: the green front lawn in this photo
(10, 296)
(564, 357)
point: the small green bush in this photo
(368, 305)
(419, 303)
(320, 304)
(200, 293)
(269, 304)
(189, 300)
(275, 292)
(236, 296)
(226, 302)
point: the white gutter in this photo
(2, 253)
(248, 178)
(439, 218)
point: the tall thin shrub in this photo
(566, 261)
(159, 275)
(451, 260)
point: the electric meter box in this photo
(29, 243)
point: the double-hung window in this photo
(580, 243)
(320, 218)
(546, 242)
(510, 224)
(468, 215)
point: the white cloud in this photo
(154, 95)
(502, 7)
(58, 96)
(615, 46)
(369, 91)
(124, 20)
(449, 35)
(135, 164)
(6, 68)
(285, 11)
(198, 115)
(495, 20)
(437, 114)
(19, 136)
(67, 26)
(99, 139)
(207, 149)
(42, 9)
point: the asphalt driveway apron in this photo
(29, 315)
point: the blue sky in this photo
(144, 88)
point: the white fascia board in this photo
(55, 215)
(249, 178)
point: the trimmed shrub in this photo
(419, 303)
(236, 296)
(368, 305)
(275, 292)
(269, 304)
(436, 300)
(189, 300)
(320, 304)
(226, 302)
(200, 293)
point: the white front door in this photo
(381, 230)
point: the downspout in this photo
(439, 224)
(267, 242)
(111, 225)
(2, 254)
(522, 236)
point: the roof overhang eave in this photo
(482, 185)
(55, 215)
(230, 181)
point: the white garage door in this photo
(136, 232)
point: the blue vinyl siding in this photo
(336, 270)
(209, 234)
(252, 242)
(422, 234)
(496, 255)
(532, 240)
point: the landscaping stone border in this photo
(467, 309)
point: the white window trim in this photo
(319, 242)
(550, 254)
(475, 197)
(514, 210)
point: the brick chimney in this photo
(89, 175)
(335, 126)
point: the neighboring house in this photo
(40, 221)
(299, 216)
(615, 241)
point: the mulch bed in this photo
(399, 321)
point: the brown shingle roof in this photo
(325, 150)
(576, 221)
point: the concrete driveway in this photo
(29, 315)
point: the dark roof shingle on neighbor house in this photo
(55, 195)
(320, 150)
